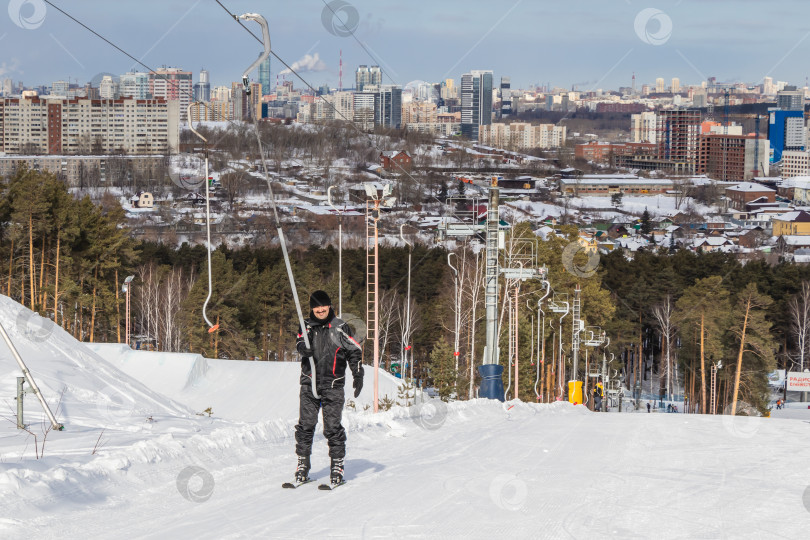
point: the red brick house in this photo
(746, 192)
(395, 161)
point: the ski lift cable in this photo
(332, 106)
(128, 55)
(233, 122)
(246, 84)
(211, 327)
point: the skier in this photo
(598, 395)
(648, 406)
(333, 348)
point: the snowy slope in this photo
(62, 366)
(235, 389)
(476, 469)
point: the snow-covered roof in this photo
(798, 216)
(751, 186)
(794, 181)
(796, 239)
(629, 180)
(714, 241)
(632, 244)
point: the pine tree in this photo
(703, 310)
(442, 369)
(646, 226)
(751, 329)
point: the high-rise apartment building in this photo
(367, 76)
(134, 85)
(677, 138)
(676, 85)
(172, 84)
(244, 106)
(660, 85)
(221, 93)
(60, 88)
(79, 126)
(476, 102)
(768, 88)
(107, 88)
(790, 99)
(522, 136)
(388, 107)
(732, 157)
(364, 107)
(643, 127)
(506, 97)
(786, 131)
(338, 106)
(264, 77)
(216, 111)
(795, 163)
(202, 89)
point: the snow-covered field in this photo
(475, 469)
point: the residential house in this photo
(396, 161)
(792, 223)
(712, 243)
(745, 192)
(790, 243)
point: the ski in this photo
(327, 487)
(293, 485)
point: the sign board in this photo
(798, 382)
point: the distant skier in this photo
(598, 396)
(648, 406)
(333, 348)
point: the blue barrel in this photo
(491, 381)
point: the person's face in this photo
(321, 311)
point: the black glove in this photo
(302, 349)
(358, 381)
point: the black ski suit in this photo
(333, 349)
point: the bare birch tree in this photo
(799, 309)
(663, 314)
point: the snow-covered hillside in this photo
(477, 469)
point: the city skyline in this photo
(589, 44)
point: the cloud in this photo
(309, 63)
(6, 69)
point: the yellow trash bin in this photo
(575, 392)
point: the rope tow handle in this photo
(246, 87)
(211, 327)
(542, 313)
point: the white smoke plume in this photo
(307, 63)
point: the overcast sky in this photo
(589, 43)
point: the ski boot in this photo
(302, 471)
(336, 475)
